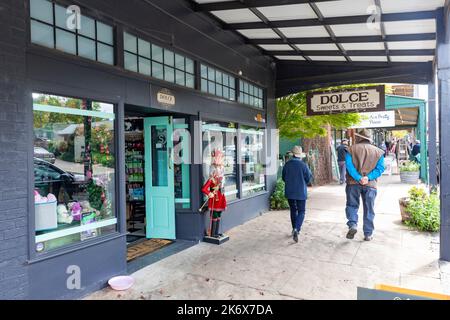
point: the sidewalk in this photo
(261, 261)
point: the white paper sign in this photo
(381, 119)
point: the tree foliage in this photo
(294, 123)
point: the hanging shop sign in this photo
(165, 98)
(364, 99)
(383, 119)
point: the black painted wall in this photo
(25, 68)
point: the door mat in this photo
(132, 238)
(145, 248)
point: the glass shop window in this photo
(53, 27)
(252, 161)
(221, 136)
(74, 170)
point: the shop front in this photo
(120, 130)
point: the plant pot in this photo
(403, 202)
(409, 177)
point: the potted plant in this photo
(414, 194)
(278, 201)
(409, 172)
(424, 211)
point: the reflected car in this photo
(44, 154)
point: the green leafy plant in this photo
(424, 210)
(96, 195)
(410, 166)
(278, 201)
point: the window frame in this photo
(163, 63)
(241, 94)
(228, 87)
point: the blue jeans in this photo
(298, 209)
(342, 171)
(368, 195)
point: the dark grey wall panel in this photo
(97, 264)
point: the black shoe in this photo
(295, 236)
(351, 233)
(368, 238)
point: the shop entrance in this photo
(156, 184)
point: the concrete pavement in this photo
(261, 261)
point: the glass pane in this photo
(42, 34)
(219, 90)
(169, 58)
(87, 27)
(226, 141)
(105, 33)
(225, 92)
(66, 41)
(105, 53)
(130, 42)
(189, 66)
(159, 156)
(190, 80)
(232, 94)
(226, 79)
(130, 62)
(232, 82)
(61, 17)
(145, 66)
(157, 53)
(179, 62)
(204, 85)
(211, 87)
(86, 48)
(211, 74)
(218, 77)
(253, 172)
(144, 48)
(204, 71)
(169, 74)
(74, 172)
(179, 77)
(41, 10)
(157, 70)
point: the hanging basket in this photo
(403, 202)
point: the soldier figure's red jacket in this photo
(219, 202)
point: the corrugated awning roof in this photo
(338, 33)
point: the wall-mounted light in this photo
(240, 72)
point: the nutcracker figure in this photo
(213, 189)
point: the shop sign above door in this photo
(364, 99)
(383, 119)
(165, 98)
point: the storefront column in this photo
(432, 145)
(443, 58)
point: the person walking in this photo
(341, 152)
(296, 176)
(365, 164)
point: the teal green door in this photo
(159, 178)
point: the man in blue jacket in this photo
(296, 176)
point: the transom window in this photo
(218, 83)
(51, 27)
(250, 94)
(151, 60)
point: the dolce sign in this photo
(165, 98)
(366, 99)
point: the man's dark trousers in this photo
(368, 195)
(298, 209)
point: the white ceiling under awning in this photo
(334, 30)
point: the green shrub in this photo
(278, 201)
(410, 166)
(424, 210)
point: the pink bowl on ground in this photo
(121, 283)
